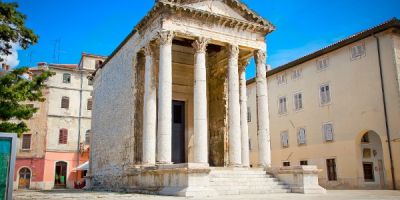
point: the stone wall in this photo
(138, 118)
(217, 109)
(112, 144)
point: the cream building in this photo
(58, 140)
(338, 108)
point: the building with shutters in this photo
(60, 131)
(338, 108)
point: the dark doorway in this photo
(24, 178)
(178, 132)
(368, 172)
(60, 179)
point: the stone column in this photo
(200, 102)
(243, 113)
(149, 110)
(164, 136)
(264, 138)
(235, 155)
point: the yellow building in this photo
(337, 108)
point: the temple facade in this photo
(170, 104)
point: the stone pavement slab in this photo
(88, 195)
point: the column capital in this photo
(243, 64)
(165, 37)
(200, 45)
(233, 50)
(148, 51)
(260, 57)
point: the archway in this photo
(24, 178)
(372, 159)
(60, 176)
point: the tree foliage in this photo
(16, 91)
(13, 30)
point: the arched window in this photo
(98, 63)
(65, 102)
(87, 137)
(63, 136)
(89, 104)
(66, 78)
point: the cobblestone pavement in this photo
(86, 195)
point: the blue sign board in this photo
(7, 165)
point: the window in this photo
(301, 136)
(328, 132)
(285, 139)
(66, 78)
(366, 153)
(281, 79)
(298, 101)
(250, 146)
(98, 63)
(63, 136)
(282, 105)
(303, 162)
(26, 142)
(248, 114)
(365, 138)
(325, 94)
(87, 137)
(89, 104)
(296, 74)
(286, 164)
(368, 172)
(331, 169)
(322, 63)
(357, 51)
(65, 102)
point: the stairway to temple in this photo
(228, 181)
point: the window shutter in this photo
(65, 102)
(285, 139)
(26, 141)
(302, 136)
(328, 129)
(63, 136)
(89, 104)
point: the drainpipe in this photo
(79, 125)
(385, 111)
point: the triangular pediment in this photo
(217, 7)
(229, 8)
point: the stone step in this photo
(241, 175)
(242, 179)
(249, 187)
(238, 192)
(268, 183)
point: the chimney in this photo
(269, 68)
(5, 67)
(42, 65)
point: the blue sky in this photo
(99, 26)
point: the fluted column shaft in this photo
(264, 138)
(149, 110)
(235, 156)
(164, 136)
(243, 114)
(200, 102)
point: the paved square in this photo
(331, 195)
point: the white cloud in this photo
(12, 59)
(284, 56)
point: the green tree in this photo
(16, 91)
(13, 30)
